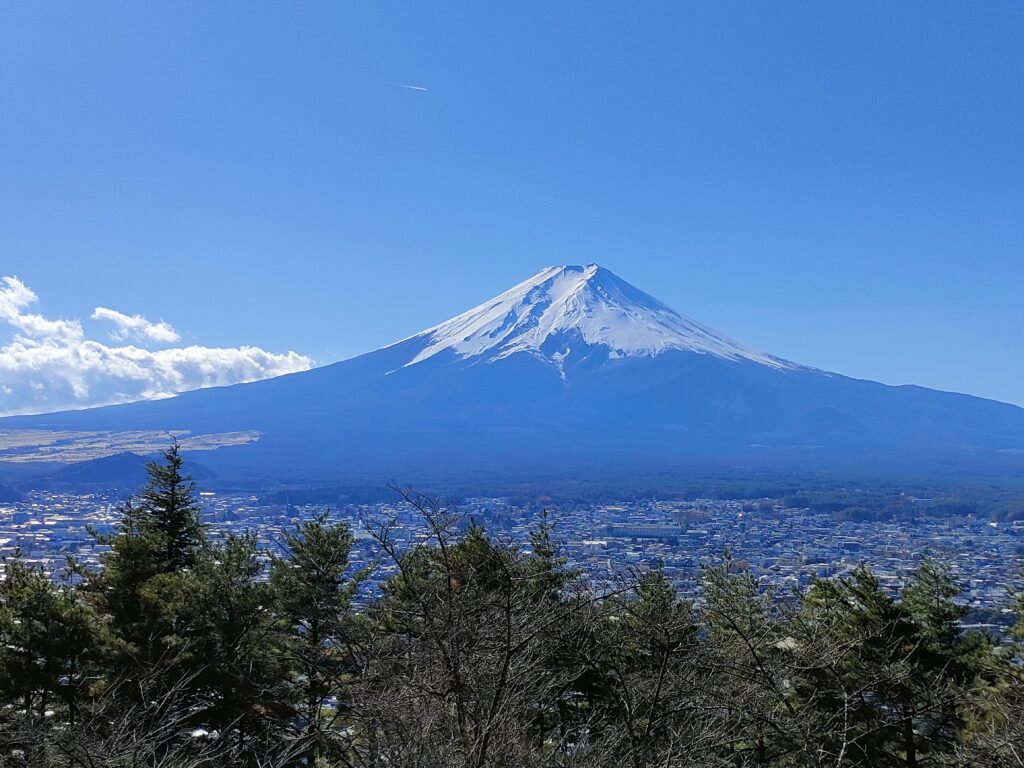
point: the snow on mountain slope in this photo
(562, 306)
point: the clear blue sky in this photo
(838, 183)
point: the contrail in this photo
(412, 87)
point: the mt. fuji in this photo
(588, 307)
(573, 373)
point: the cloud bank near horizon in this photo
(48, 364)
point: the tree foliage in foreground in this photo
(189, 650)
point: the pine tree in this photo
(168, 509)
(230, 647)
(949, 660)
(853, 645)
(883, 679)
(313, 589)
(49, 643)
(158, 541)
(930, 598)
(545, 568)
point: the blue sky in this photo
(840, 184)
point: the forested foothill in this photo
(193, 649)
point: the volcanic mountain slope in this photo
(573, 368)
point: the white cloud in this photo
(49, 365)
(136, 327)
(14, 297)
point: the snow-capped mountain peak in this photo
(566, 309)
